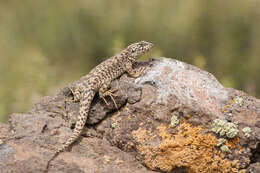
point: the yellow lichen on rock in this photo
(190, 148)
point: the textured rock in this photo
(139, 137)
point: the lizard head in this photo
(136, 50)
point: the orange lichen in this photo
(190, 148)
(233, 142)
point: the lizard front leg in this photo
(105, 91)
(134, 72)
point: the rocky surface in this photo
(174, 118)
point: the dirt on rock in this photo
(174, 118)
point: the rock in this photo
(139, 136)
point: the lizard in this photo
(98, 81)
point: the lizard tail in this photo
(85, 103)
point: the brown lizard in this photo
(98, 80)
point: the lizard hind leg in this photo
(104, 92)
(77, 96)
(111, 94)
(77, 92)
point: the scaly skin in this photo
(99, 80)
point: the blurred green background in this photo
(46, 44)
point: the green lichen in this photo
(221, 141)
(224, 128)
(247, 131)
(225, 149)
(174, 121)
(239, 101)
(113, 125)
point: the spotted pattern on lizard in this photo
(99, 80)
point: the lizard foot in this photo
(111, 94)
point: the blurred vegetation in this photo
(44, 45)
